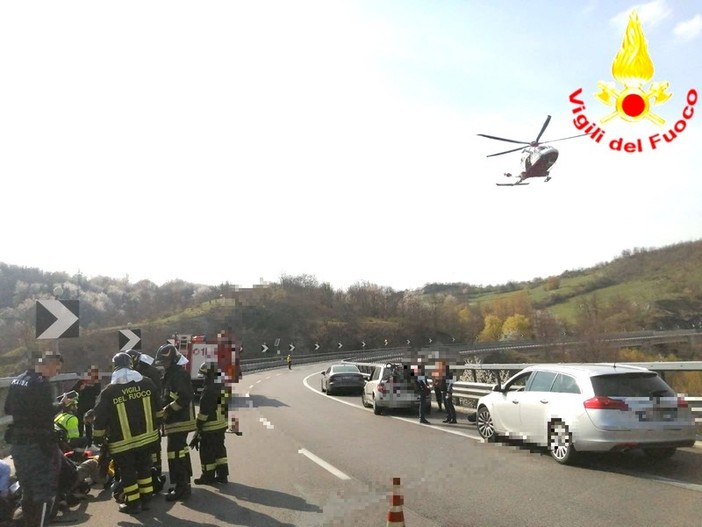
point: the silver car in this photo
(391, 386)
(339, 377)
(588, 407)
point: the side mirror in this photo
(496, 388)
(324, 373)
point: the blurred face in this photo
(49, 367)
(93, 375)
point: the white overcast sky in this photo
(242, 140)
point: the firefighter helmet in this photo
(166, 354)
(134, 355)
(208, 369)
(121, 360)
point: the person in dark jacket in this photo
(178, 420)
(33, 442)
(437, 381)
(448, 396)
(126, 421)
(211, 426)
(88, 389)
(423, 387)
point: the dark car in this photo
(338, 377)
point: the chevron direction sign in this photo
(129, 339)
(57, 319)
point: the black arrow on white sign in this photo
(292, 347)
(363, 343)
(264, 348)
(340, 345)
(57, 319)
(316, 346)
(129, 339)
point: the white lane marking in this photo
(261, 380)
(251, 387)
(473, 436)
(326, 466)
(675, 483)
(266, 423)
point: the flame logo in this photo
(633, 68)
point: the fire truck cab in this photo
(225, 351)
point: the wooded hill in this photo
(641, 289)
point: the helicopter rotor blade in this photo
(563, 138)
(506, 151)
(543, 129)
(503, 139)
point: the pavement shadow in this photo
(256, 401)
(267, 497)
(684, 466)
(224, 508)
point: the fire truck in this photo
(225, 351)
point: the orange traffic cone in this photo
(396, 517)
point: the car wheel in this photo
(560, 443)
(376, 409)
(323, 390)
(660, 453)
(329, 392)
(483, 421)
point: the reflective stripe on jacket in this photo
(214, 404)
(125, 416)
(178, 390)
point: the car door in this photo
(325, 378)
(505, 407)
(369, 387)
(534, 405)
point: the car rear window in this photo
(346, 369)
(645, 384)
(398, 374)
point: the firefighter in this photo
(143, 363)
(211, 426)
(32, 439)
(178, 420)
(126, 421)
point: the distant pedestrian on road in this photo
(289, 361)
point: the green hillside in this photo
(653, 289)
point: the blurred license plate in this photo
(657, 414)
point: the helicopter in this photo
(537, 158)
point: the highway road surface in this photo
(308, 459)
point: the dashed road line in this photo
(326, 466)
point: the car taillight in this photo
(600, 402)
(682, 403)
(381, 387)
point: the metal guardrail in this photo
(471, 391)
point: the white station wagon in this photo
(588, 407)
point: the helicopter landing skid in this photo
(511, 184)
